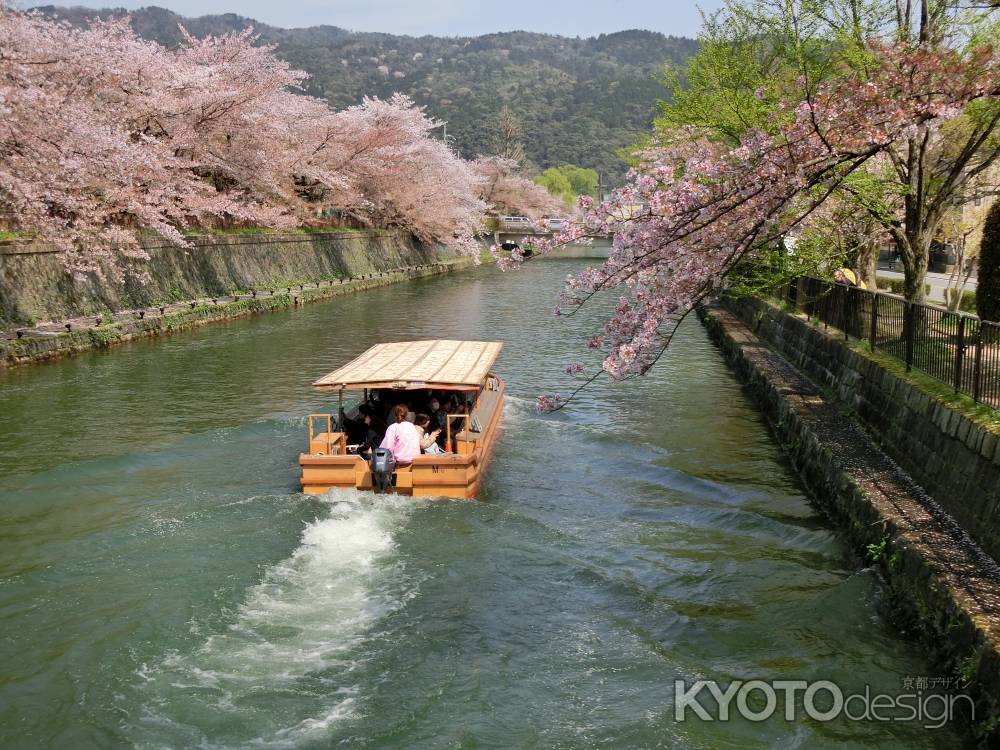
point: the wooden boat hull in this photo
(328, 466)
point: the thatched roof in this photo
(437, 363)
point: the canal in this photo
(162, 583)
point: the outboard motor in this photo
(383, 464)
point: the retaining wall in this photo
(34, 286)
(955, 460)
(184, 316)
(944, 589)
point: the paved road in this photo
(938, 281)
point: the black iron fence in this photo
(953, 347)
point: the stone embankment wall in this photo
(187, 315)
(944, 589)
(35, 287)
(955, 460)
(218, 279)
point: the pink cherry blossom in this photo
(694, 208)
(107, 135)
(508, 192)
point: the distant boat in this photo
(412, 373)
(526, 252)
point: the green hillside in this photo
(578, 100)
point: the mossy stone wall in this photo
(34, 286)
(955, 460)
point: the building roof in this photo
(435, 363)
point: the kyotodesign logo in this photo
(821, 700)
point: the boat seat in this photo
(336, 441)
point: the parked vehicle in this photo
(515, 223)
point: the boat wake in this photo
(294, 642)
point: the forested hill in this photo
(578, 100)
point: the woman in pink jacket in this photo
(402, 438)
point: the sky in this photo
(447, 17)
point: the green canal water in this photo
(164, 585)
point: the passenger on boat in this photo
(402, 437)
(439, 417)
(437, 413)
(458, 424)
(428, 440)
(364, 431)
(374, 430)
(410, 413)
(352, 428)
(448, 406)
(384, 410)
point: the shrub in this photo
(895, 285)
(968, 301)
(102, 336)
(988, 289)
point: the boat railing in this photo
(328, 433)
(447, 427)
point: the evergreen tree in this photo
(988, 288)
(507, 137)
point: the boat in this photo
(411, 372)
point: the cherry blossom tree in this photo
(105, 136)
(509, 192)
(756, 53)
(707, 205)
(378, 161)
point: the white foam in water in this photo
(517, 410)
(296, 629)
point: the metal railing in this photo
(447, 427)
(954, 347)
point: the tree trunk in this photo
(868, 264)
(956, 284)
(915, 252)
(914, 237)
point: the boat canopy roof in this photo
(435, 363)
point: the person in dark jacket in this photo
(364, 431)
